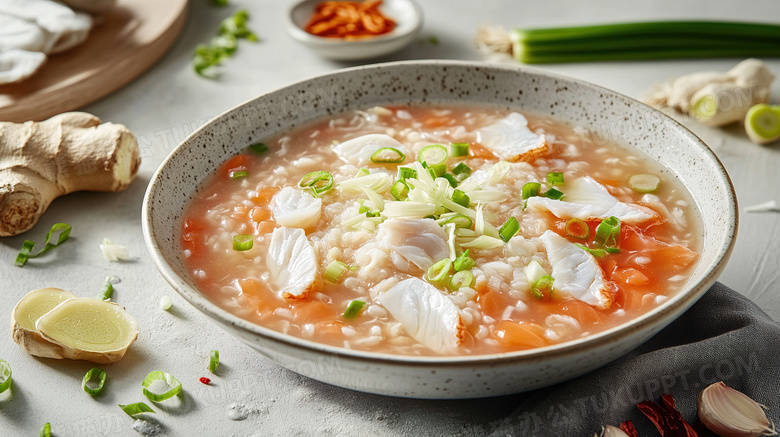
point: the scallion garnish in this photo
(644, 183)
(166, 303)
(437, 170)
(45, 430)
(353, 309)
(318, 181)
(439, 271)
(555, 178)
(463, 278)
(577, 228)
(463, 262)
(554, 194)
(27, 247)
(459, 149)
(243, 242)
(598, 253)
(433, 155)
(5, 375)
(238, 174)
(460, 221)
(451, 179)
(213, 361)
(400, 190)
(389, 155)
(461, 170)
(106, 292)
(461, 198)
(136, 408)
(608, 232)
(363, 209)
(159, 386)
(362, 172)
(258, 148)
(93, 381)
(545, 283)
(335, 271)
(224, 44)
(612, 249)
(509, 229)
(406, 173)
(531, 189)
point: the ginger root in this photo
(713, 98)
(40, 161)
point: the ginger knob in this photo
(74, 151)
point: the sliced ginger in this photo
(53, 323)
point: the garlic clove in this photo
(612, 431)
(730, 413)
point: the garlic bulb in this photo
(612, 431)
(731, 413)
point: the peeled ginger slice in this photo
(88, 329)
(32, 306)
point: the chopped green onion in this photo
(214, 361)
(461, 198)
(95, 374)
(463, 262)
(165, 385)
(242, 242)
(5, 376)
(236, 26)
(405, 173)
(26, 251)
(363, 209)
(608, 232)
(612, 249)
(400, 190)
(531, 189)
(554, 194)
(463, 278)
(258, 148)
(509, 229)
(219, 2)
(334, 272)
(545, 283)
(318, 181)
(460, 221)
(45, 430)
(137, 408)
(461, 170)
(459, 149)
(451, 179)
(483, 242)
(166, 303)
(106, 292)
(433, 155)
(362, 172)
(437, 170)
(389, 155)
(555, 178)
(238, 174)
(353, 309)
(598, 253)
(577, 228)
(644, 183)
(439, 271)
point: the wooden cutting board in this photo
(127, 41)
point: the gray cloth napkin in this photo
(723, 337)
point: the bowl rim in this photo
(302, 35)
(680, 302)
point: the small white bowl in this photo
(407, 15)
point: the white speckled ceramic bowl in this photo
(610, 114)
(406, 13)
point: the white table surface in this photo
(164, 105)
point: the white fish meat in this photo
(296, 208)
(419, 241)
(576, 272)
(584, 198)
(425, 313)
(291, 262)
(510, 139)
(358, 151)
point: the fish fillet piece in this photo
(16, 65)
(576, 272)
(296, 208)
(358, 151)
(291, 262)
(584, 198)
(510, 139)
(425, 313)
(419, 241)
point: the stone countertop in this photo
(168, 102)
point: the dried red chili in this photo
(666, 418)
(628, 428)
(205, 380)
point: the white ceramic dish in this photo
(631, 123)
(406, 13)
